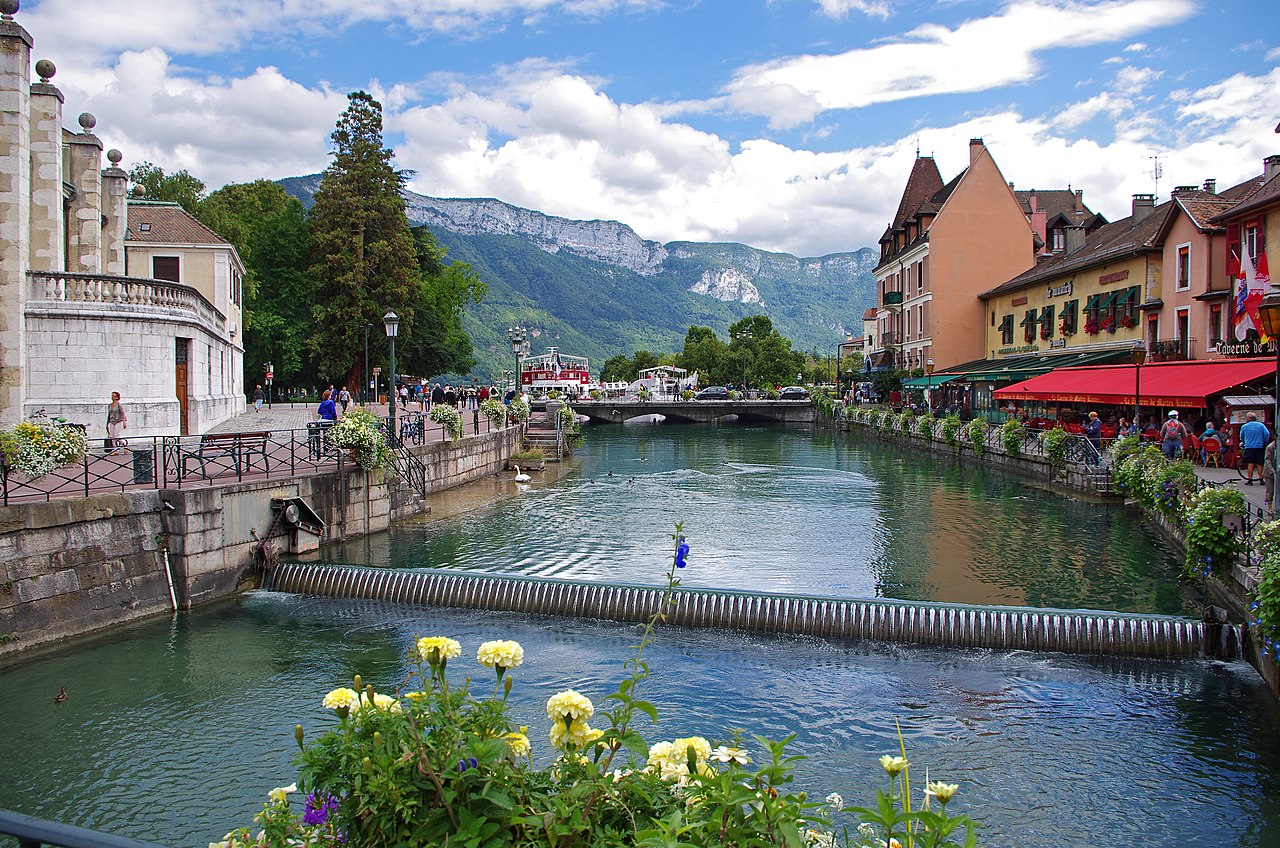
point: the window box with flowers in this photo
(1128, 322)
(1046, 332)
(1108, 324)
(1091, 327)
(1065, 329)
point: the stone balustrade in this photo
(107, 290)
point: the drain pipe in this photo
(168, 572)
(162, 544)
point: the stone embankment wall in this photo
(75, 565)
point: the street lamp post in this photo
(1139, 355)
(928, 384)
(1269, 312)
(519, 337)
(391, 322)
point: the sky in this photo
(789, 125)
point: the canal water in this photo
(175, 729)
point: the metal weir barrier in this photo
(1007, 628)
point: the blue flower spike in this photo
(682, 551)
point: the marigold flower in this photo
(726, 754)
(577, 734)
(894, 765)
(341, 699)
(438, 649)
(382, 702)
(568, 706)
(501, 654)
(701, 748)
(518, 743)
(942, 791)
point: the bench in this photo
(240, 448)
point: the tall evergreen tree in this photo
(362, 252)
(180, 187)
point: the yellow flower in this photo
(944, 792)
(701, 748)
(518, 743)
(568, 706)
(341, 699)
(577, 734)
(893, 765)
(434, 649)
(280, 794)
(503, 654)
(381, 702)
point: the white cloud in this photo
(1136, 47)
(976, 55)
(841, 8)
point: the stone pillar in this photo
(47, 227)
(115, 209)
(15, 218)
(84, 249)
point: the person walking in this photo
(437, 395)
(344, 398)
(258, 398)
(451, 398)
(117, 423)
(1171, 436)
(1093, 434)
(1254, 436)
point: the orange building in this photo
(945, 245)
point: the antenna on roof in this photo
(1157, 171)
(917, 147)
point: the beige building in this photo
(85, 311)
(945, 245)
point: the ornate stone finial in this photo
(8, 8)
(114, 156)
(87, 121)
(139, 191)
(46, 70)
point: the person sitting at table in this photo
(1209, 434)
(328, 410)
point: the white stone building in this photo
(99, 293)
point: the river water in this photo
(175, 729)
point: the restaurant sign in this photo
(1114, 277)
(1060, 291)
(1057, 343)
(1248, 347)
(1019, 349)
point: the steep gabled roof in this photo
(1201, 207)
(1262, 194)
(1055, 202)
(869, 313)
(158, 222)
(1105, 244)
(924, 181)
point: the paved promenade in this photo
(1255, 494)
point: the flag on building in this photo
(1251, 286)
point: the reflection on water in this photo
(790, 510)
(175, 732)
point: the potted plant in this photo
(360, 433)
(444, 414)
(1091, 327)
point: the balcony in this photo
(1170, 350)
(66, 293)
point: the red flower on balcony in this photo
(1108, 324)
(1091, 326)
(1046, 332)
(1128, 322)
(1065, 329)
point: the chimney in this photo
(1183, 189)
(975, 147)
(1075, 239)
(1079, 200)
(1143, 204)
(1211, 185)
(1270, 167)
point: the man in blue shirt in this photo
(1254, 436)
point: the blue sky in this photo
(785, 124)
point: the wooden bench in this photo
(240, 448)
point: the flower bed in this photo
(36, 448)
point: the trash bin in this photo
(144, 466)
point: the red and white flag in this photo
(1251, 286)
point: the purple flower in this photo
(682, 551)
(319, 809)
(467, 763)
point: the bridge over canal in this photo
(698, 411)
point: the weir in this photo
(958, 625)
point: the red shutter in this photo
(1233, 250)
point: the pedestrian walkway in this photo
(1256, 494)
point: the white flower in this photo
(726, 754)
(835, 802)
(280, 793)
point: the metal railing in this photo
(1170, 350)
(32, 832)
(177, 462)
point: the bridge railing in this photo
(32, 832)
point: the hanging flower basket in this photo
(360, 433)
(444, 414)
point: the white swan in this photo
(520, 477)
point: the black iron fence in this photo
(32, 832)
(177, 462)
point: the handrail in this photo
(77, 287)
(32, 832)
(408, 466)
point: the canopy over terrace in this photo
(1171, 384)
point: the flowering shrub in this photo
(35, 448)
(906, 421)
(977, 433)
(595, 394)
(1264, 610)
(360, 432)
(441, 765)
(735, 395)
(925, 424)
(951, 430)
(518, 411)
(645, 394)
(495, 410)
(444, 414)
(1055, 446)
(1211, 547)
(1011, 435)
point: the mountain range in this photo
(596, 288)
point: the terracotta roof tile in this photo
(869, 313)
(1054, 202)
(167, 223)
(923, 181)
(1262, 195)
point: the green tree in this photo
(362, 252)
(705, 354)
(618, 367)
(436, 342)
(759, 355)
(269, 231)
(179, 187)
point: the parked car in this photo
(712, 393)
(794, 393)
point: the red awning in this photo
(1186, 384)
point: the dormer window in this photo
(1059, 239)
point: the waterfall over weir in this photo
(1011, 628)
